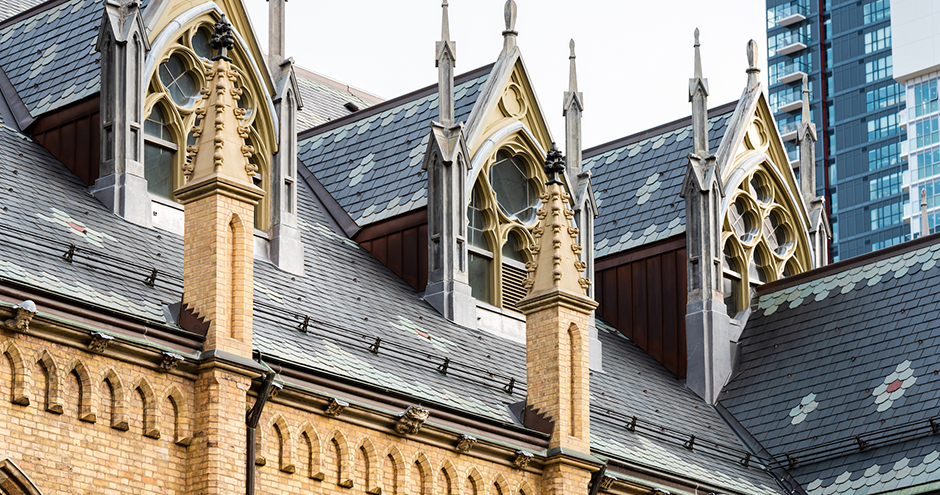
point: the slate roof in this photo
(323, 102)
(637, 180)
(351, 299)
(370, 162)
(843, 355)
(61, 65)
(9, 8)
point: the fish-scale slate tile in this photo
(59, 40)
(637, 186)
(879, 345)
(395, 135)
(9, 8)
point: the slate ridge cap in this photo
(379, 107)
(655, 131)
(845, 265)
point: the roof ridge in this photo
(338, 85)
(379, 107)
(846, 265)
(655, 131)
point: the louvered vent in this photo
(513, 286)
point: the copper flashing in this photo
(641, 252)
(335, 214)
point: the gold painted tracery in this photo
(190, 47)
(500, 243)
(761, 238)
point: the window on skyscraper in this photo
(878, 69)
(925, 98)
(927, 163)
(884, 97)
(886, 215)
(882, 187)
(884, 156)
(878, 39)
(927, 132)
(883, 127)
(876, 11)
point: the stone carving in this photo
(607, 482)
(411, 421)
(522, 459)
(336, 407)
(99, 342)
(465, 443)
(170, 361)
(22, 314)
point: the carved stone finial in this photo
(465, 443)
(171, 361)
(99, 342)
(510, 13)
(753, 73)
(411, 421)
(698, 56)
(554, 165)
(336, 407)
(522, 459)
(571, 45)
(445, 23)
(924, 220)
(572, 74)
(805, 116)
(22, 314)
(222, 39)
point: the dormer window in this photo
(759, 240)
(502, 211)
(159, 154)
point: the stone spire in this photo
(753, 73)
(807, 134)
(557, 319)
(924, 221)
(509, 34)
(219, 198)
(445, 61)
(698, 95)
(277, 28)
(574, 105)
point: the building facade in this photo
(845, 49)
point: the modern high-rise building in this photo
(916, 52)
(845, 49)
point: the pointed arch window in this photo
(173, 97)
(760, 244)
(501, 214)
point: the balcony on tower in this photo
(787, 14)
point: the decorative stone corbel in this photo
(465, 443)
(336, 407)
(522, 459)
(22, 314)
(171, 361)
(99, 342)
(275, 389)
(411, 421)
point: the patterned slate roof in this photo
(60, 64)
(637, 181)
(322, 102)
(9, 8)
(840, 371)
(351, 299)
(668, 413)
(371, 163)
(45, 208)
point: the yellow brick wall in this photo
(300, 456)
(218, 267)
(96, 445)
(557, 379)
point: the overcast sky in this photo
(634, 56)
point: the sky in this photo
(634, 57)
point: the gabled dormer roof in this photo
(370, 161)
(637, 180)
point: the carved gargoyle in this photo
(465, 443)
(411, 421)
(22, 314)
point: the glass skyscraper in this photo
(845, 49)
